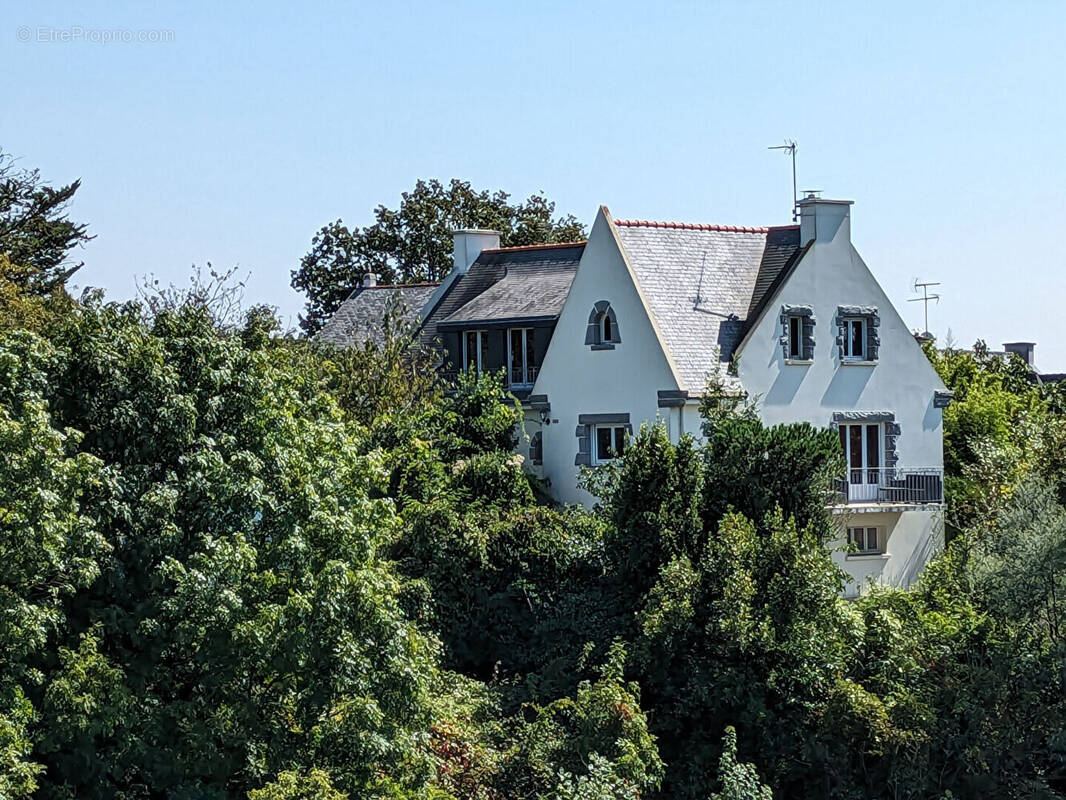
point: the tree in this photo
(242, 626)
(36, 234)
(739, 781)
(413, 242)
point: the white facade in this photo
(586, 385)
(902, 382)
(581, 381)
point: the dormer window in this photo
(602, 331)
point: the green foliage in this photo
(739, 781)
(753, 469)
(1000, 428)
(413, 242)
(603, 719)
(291, 785)
(240, 622)
(35, 232)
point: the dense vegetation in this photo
(413, 242)
(233, 564)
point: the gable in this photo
(605, 279)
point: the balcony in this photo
(891, 486)
(522, 378)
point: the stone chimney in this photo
(824, 220)
(1023, 349)
(469, 242)
(370, 280)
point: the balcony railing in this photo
(523, 377)
(893, 485)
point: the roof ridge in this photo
(550, 246)
(692, 226)
(401, 285)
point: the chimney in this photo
(469, 242)
(1023, 349)
(370, 280)
(824, 220)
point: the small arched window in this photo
(602, 332)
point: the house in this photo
(601, 337)
(360, 318)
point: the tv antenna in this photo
(789, 147)
(925, 298)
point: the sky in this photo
(230, 132)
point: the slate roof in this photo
(360, 318)
(534, 285)
(701, 282)
(536, 279)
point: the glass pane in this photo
(619, 441)
(856, 339)
(871, 538)
(855, 447)
(471, 350)
(484, 337)
(515, 349)
(794, 337)
(873, 452)
(603, 444)
(531, 374)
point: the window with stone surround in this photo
(797, 332)
(858, 334)
(602, 330)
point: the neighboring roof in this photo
(535, 278)
(534, 285)
(361, 317)
(782, 251)
(701, 282)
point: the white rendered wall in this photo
(578, 380)
(903, 382)
(910, 540)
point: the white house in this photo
(597, 339)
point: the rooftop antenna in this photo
(925, 298)
(789, 147)
(699, 286)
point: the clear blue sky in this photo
(259, 122)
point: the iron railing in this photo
(908, 485)
(523, 377)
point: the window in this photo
(855, 339)
(605, 327)
(866, 540)
(602, 331)
(520, 366)
(797, 333)
(610, 442)
(795, 337)
(862, 449)
(858, 333)
(536, 448)
(475, 343)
